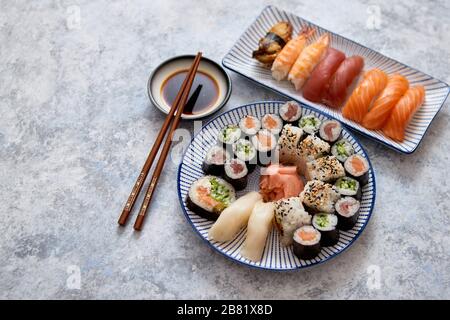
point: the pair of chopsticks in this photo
(178, 107)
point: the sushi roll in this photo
(347, 186)
(236, 173)
(310, 148)
(310, 124)
(209, 196)
(272, 122)
(319, 197)
(330, 130)
(288, 142)
(229, 135)
(249, 125)
(342, 149)
(326, 223)
(290, 112)
(246, 151)
(214, 161)
(347, 210)
(326, 169)
(357, 167)
(306, 242)
(265, 144)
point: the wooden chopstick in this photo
(154, 151)
(162, 158)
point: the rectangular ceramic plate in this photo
(239, 59)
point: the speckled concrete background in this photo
(76, 125)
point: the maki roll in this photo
(272, 122)
(347, 210)
(347, 186)
(330, 130)
(306, 242)
(290, 112)
(209, 196)
(325, 169)
(342, 149)
(229, 135)
(236, 173)
(215, 160)
(245, 151)
(326, 223)
(357, 167)
(310, 124)
(249, 125)
(310, 148)
(288, 142)
(319, 196)
(265, 143)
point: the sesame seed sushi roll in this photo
(330, 130)
(326, 169)
(249, 125)
(229, 135)
(326, 223)
(306, 242)
(209, 196)
(357, 167)
(319, 197)
(272, 122)
(310, 124)
(347, 210)
(288, 142)
(214, 161)
(246, 151)
(347, 186)
(265, 144)
(290, 112)
(342, 149)
(236, 173)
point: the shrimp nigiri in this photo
(316, 84)
(383, 105)
(359, 102)
(308, 60)
(286, 58)
(403, 112)
(342, 80)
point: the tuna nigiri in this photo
(383, 105)
(286, 58)
(359, 102)
(342, 80)
(403, 112)
(316, 84)
(308, 60)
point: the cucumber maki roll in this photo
(214, 161)
(310, 124)
(347, 186)
(326, 223)
(236, 173)
(347, 209)
(265, 144)
(246, 151)
(342, 149)
(330, 130)
(249, 125)
(290, 112)
(209, 196)
(272, 123)
(229, 135)
(357, 167)
(306, 243)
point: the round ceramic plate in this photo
(275, 256)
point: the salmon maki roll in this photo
(315, 86)
(342, 80)
(403, 112)
(383, 105)
(308, 59)
(358, 104)
(286, 58)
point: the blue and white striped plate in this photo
(239, 59)
(276, 256)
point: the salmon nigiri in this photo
(383, 105)
(403, 112)
(308, 60)
(342, 80)
(358, 104)
(286, 58)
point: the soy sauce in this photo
(208, 94)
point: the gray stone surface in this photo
(76, 125)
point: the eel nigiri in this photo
(316, 84)
(359, 102)
(383, 105)
(271, 44)
(403, 112)
(308, 60)
(258, 228)
(286, 58)
(342, 80)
